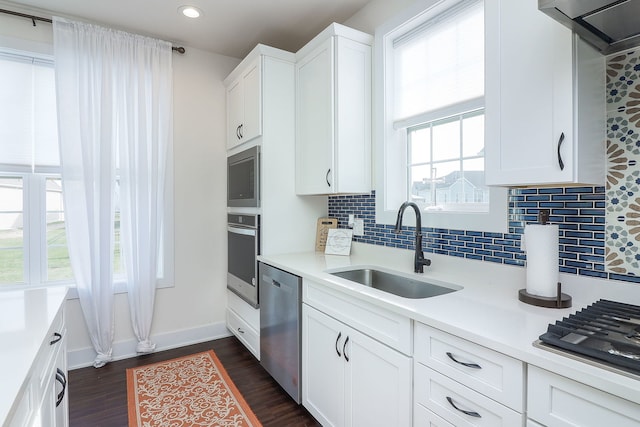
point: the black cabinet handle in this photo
(470, 413)
(238, 131)
(241, 131)
(240, 330)
(327, 177)
(560, 141)
(344, 349)
(62, 379)
(56, 337)
(468, 365)
(338, 339)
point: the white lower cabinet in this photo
(458, 404)
(53, 411)
(44, 401)
(463, 383)
(244, 322)
(556, 401)
(422, 417)
(350, 379)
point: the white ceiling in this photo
(228, 27)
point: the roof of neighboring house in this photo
(475, 178)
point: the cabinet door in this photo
(556, 401)
(353, 117)
(529, 96)
(323, 367)
(54, 410)
(235, 113)
(315, 121)
(252, 122)
(244, 105)
(60, 396)
(379, 382)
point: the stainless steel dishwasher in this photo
(280, 328)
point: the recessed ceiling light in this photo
(190, 11)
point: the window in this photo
(33, 245)
(446, 164)
(430, 117)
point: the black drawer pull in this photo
(344, 349)
(470, 413)
(327, 177)
(62, 379)
(338, 349)
(468, 365)
(560, 162)
(56, 337)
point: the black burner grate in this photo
(606, 330)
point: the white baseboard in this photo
(84, 357)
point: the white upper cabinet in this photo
(545, 100)
(244, 104)
(333, 113)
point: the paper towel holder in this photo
(559, 301)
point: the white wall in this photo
(192, 310)
(375, 13)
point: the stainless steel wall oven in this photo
(243, 236)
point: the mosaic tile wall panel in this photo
(623, 176)
(579, 212)
(599, 228)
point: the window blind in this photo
(439, 63)
(28, 118)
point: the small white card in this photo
(339, 241)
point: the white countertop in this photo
(486, 311)
(26, 317)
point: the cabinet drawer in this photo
(554, 400)
(385, 326)
(442, 395)
(45, 361)
(245, 333)
(250, 315)
(493, 374)
(422, 417)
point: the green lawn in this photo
(58, 264)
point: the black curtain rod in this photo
(34, 18)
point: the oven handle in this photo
(243, 231)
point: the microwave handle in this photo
(243, 231)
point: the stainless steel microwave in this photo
(243, 178)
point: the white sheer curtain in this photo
(114, 109)
(145, 136)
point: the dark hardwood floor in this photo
(98, 397)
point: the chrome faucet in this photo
(419, 261)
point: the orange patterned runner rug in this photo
(193, 391)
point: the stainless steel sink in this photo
(393, 283)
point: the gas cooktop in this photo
(605, 332)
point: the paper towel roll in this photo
(541, 245)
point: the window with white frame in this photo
(33, 248)
(430, 117)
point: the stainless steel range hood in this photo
(609, 25)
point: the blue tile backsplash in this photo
(599, 227)
(579, 212)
